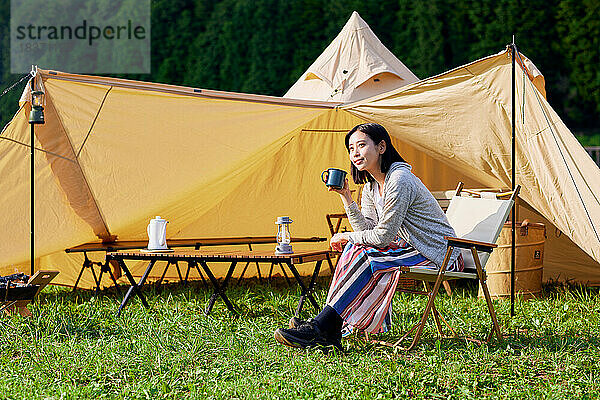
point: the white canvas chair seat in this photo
(477, 222)
(430, 275)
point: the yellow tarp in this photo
(115, 153)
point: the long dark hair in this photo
(377, 133)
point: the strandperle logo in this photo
(92, 36)
(84, 31)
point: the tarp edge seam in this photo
(203, 93)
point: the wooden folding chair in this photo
(477, 222)
(15, 299)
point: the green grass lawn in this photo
(75, 347)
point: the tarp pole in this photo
(32, 181)
(513, 179)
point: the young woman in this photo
(400, 224)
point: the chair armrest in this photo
(467, 244)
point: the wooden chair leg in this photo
(486, 293)
(421, 325)
(337, 227)
(436, 318)
(490, 335)
(436, 314)
(407, 334)
(431, 300)
(454, 334)
(447, 287)
(331, 267)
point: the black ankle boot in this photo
(307, 335)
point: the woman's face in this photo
(364, 153)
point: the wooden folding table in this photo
(196, 243)
(203, 257)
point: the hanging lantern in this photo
(284, 238)
(36, 116)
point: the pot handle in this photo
(164, 234)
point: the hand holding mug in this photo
(344, 193)
(336, 181)
(343, 190)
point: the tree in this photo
(578, 24)
(418, 38)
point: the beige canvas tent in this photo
(354, 66)
(114, 153)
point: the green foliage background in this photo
(263, 46)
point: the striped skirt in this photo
(365, 280)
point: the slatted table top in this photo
(199, 242)
(297, 257)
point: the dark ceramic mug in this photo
(334, 177)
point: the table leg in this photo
(99, 277)
(242, 274)
(306, 291)
(79, 276)
(257, 266)
(135, 287)
(95, 278)
(259, 274)
(270, 273)
(187, 273)
(195, 265)
(285, 275)
(164, 273)
(219, 289)
(112, 276)
(246, 267)
(86, 263)
(178, 271)
(213, 298)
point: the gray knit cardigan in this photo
(410, 212)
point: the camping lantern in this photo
(284, 237)
(36, 116)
